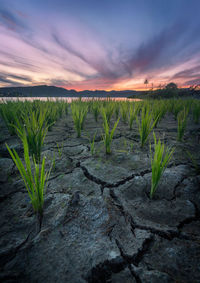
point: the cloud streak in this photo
(77, 47)
(10, 21)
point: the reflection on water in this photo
(67, 99)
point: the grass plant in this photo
(182, 122)
(33, 175)
(10, 114)
(109, 110)
(196, 112)
(92, 144)
(35, 128)
(79, 112)
(159, 161)
(177, 107)
(60, 149)
(54, 162)
(96, 110)
(194, 162)
(108, 135)
(146, 125)
(117, 110)
(132, 115)
(131, 147)
(159, 111)
(124, 110)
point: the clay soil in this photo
(99, 224)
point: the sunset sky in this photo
(105, 44)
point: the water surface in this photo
(67, 99)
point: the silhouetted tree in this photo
(146, 82)
(195, 90)
(171, 86)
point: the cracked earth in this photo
(99, 224)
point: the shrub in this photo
(171, 86)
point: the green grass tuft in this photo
(182, 122)
(108, 136)
(35, 178)
(146, 125)
(159, 161)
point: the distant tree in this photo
(195, 90)
(195, 87)
(160, 86)
(146, 82)
(171, 86)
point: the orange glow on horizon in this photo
(136, 88)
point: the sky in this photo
(99, 44)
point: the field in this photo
(100, 191)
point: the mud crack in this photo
(101, 273)
(136, 258)
(7, 256)
(168, 235)
(177, 185)
(110, 185)
(5, 197)
(190, 219)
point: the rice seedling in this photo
(159, 161)
(132, 115)
(125, 143)
(124, 110)
(159, 111)
(60, 149)
(116, 110)
(182, 121)
(35, 128)
(54, 111)
(108, 135)
(10, 114)
(54, 162)
(66, 108)
(61, 108)
(146, 125)
(109, 110)
(79, 113)
(131, 147)
(194, 162)
(33, 175)
(177, 107)
(95, 110)
(92, 144)
(196, 112)
(51, 117)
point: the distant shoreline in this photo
(67, 99)
(44, 91)
(52, 91)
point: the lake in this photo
(67, 99)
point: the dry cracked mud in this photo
(99, 224)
